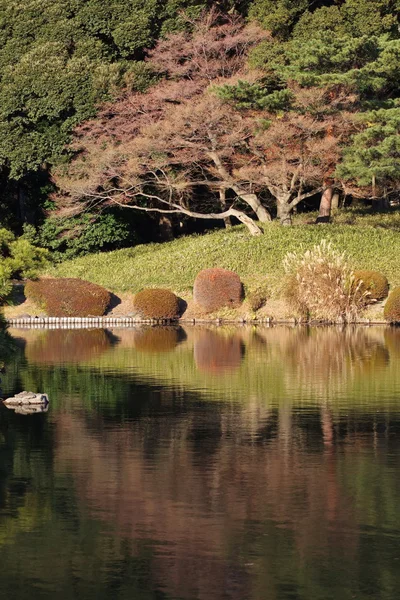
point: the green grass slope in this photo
(175, 264)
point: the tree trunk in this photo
(325, 206)
(165, 228)
(284, 212)
(21, 202)
(222, 199)
(335, 201)
(254, 202)
(251, 199)
(246, 220)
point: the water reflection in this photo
(158, 339)
(217, 352)
(247, 463)
(66, 346)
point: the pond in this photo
(202, 463)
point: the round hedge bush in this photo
(157, 303)
(373, 282)
(68, 297)
(392, 306)
(217, 288)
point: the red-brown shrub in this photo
(216, 288)
(157, 303)
(68, 297)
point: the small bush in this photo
(68, 297)
(216, 288)
(157, 303)
(257, 299)
(320, 285)
(392, 306)
(372, 284)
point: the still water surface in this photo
(252, 463)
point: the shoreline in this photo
(103, 322)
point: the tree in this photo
(296, 150)
(160, 147)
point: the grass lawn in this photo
(369, 244)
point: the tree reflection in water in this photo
(278, 481)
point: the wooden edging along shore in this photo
(106, 322)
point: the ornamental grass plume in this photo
(320, 285)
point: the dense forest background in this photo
(193, 113)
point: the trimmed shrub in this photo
(156, 340)
(257, 299)
(157, 303)
(372, 284)
(320, 285)
(392, 306)
(68, 297)
(217, 288)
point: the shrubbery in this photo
(68, 297)
(18, 259)
(320, 285)
(257, 298)
(216, 288)
(372, 284)
(157, 303)
(392, 306)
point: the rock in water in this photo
(27, 399)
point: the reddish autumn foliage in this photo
(157, 303)
(216, 288)
(152, 150)
(68, 297)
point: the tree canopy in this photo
(235, 108)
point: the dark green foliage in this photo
(278, 16)
(18, 259)
(392, 306)
(59, 59)
(68, 297)
(353, 17)
(308, 17)
(373, 283)
(72, 237)
(351, 47)
(268, 94)
(217, 288)
(157, 303)
(373, 159)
